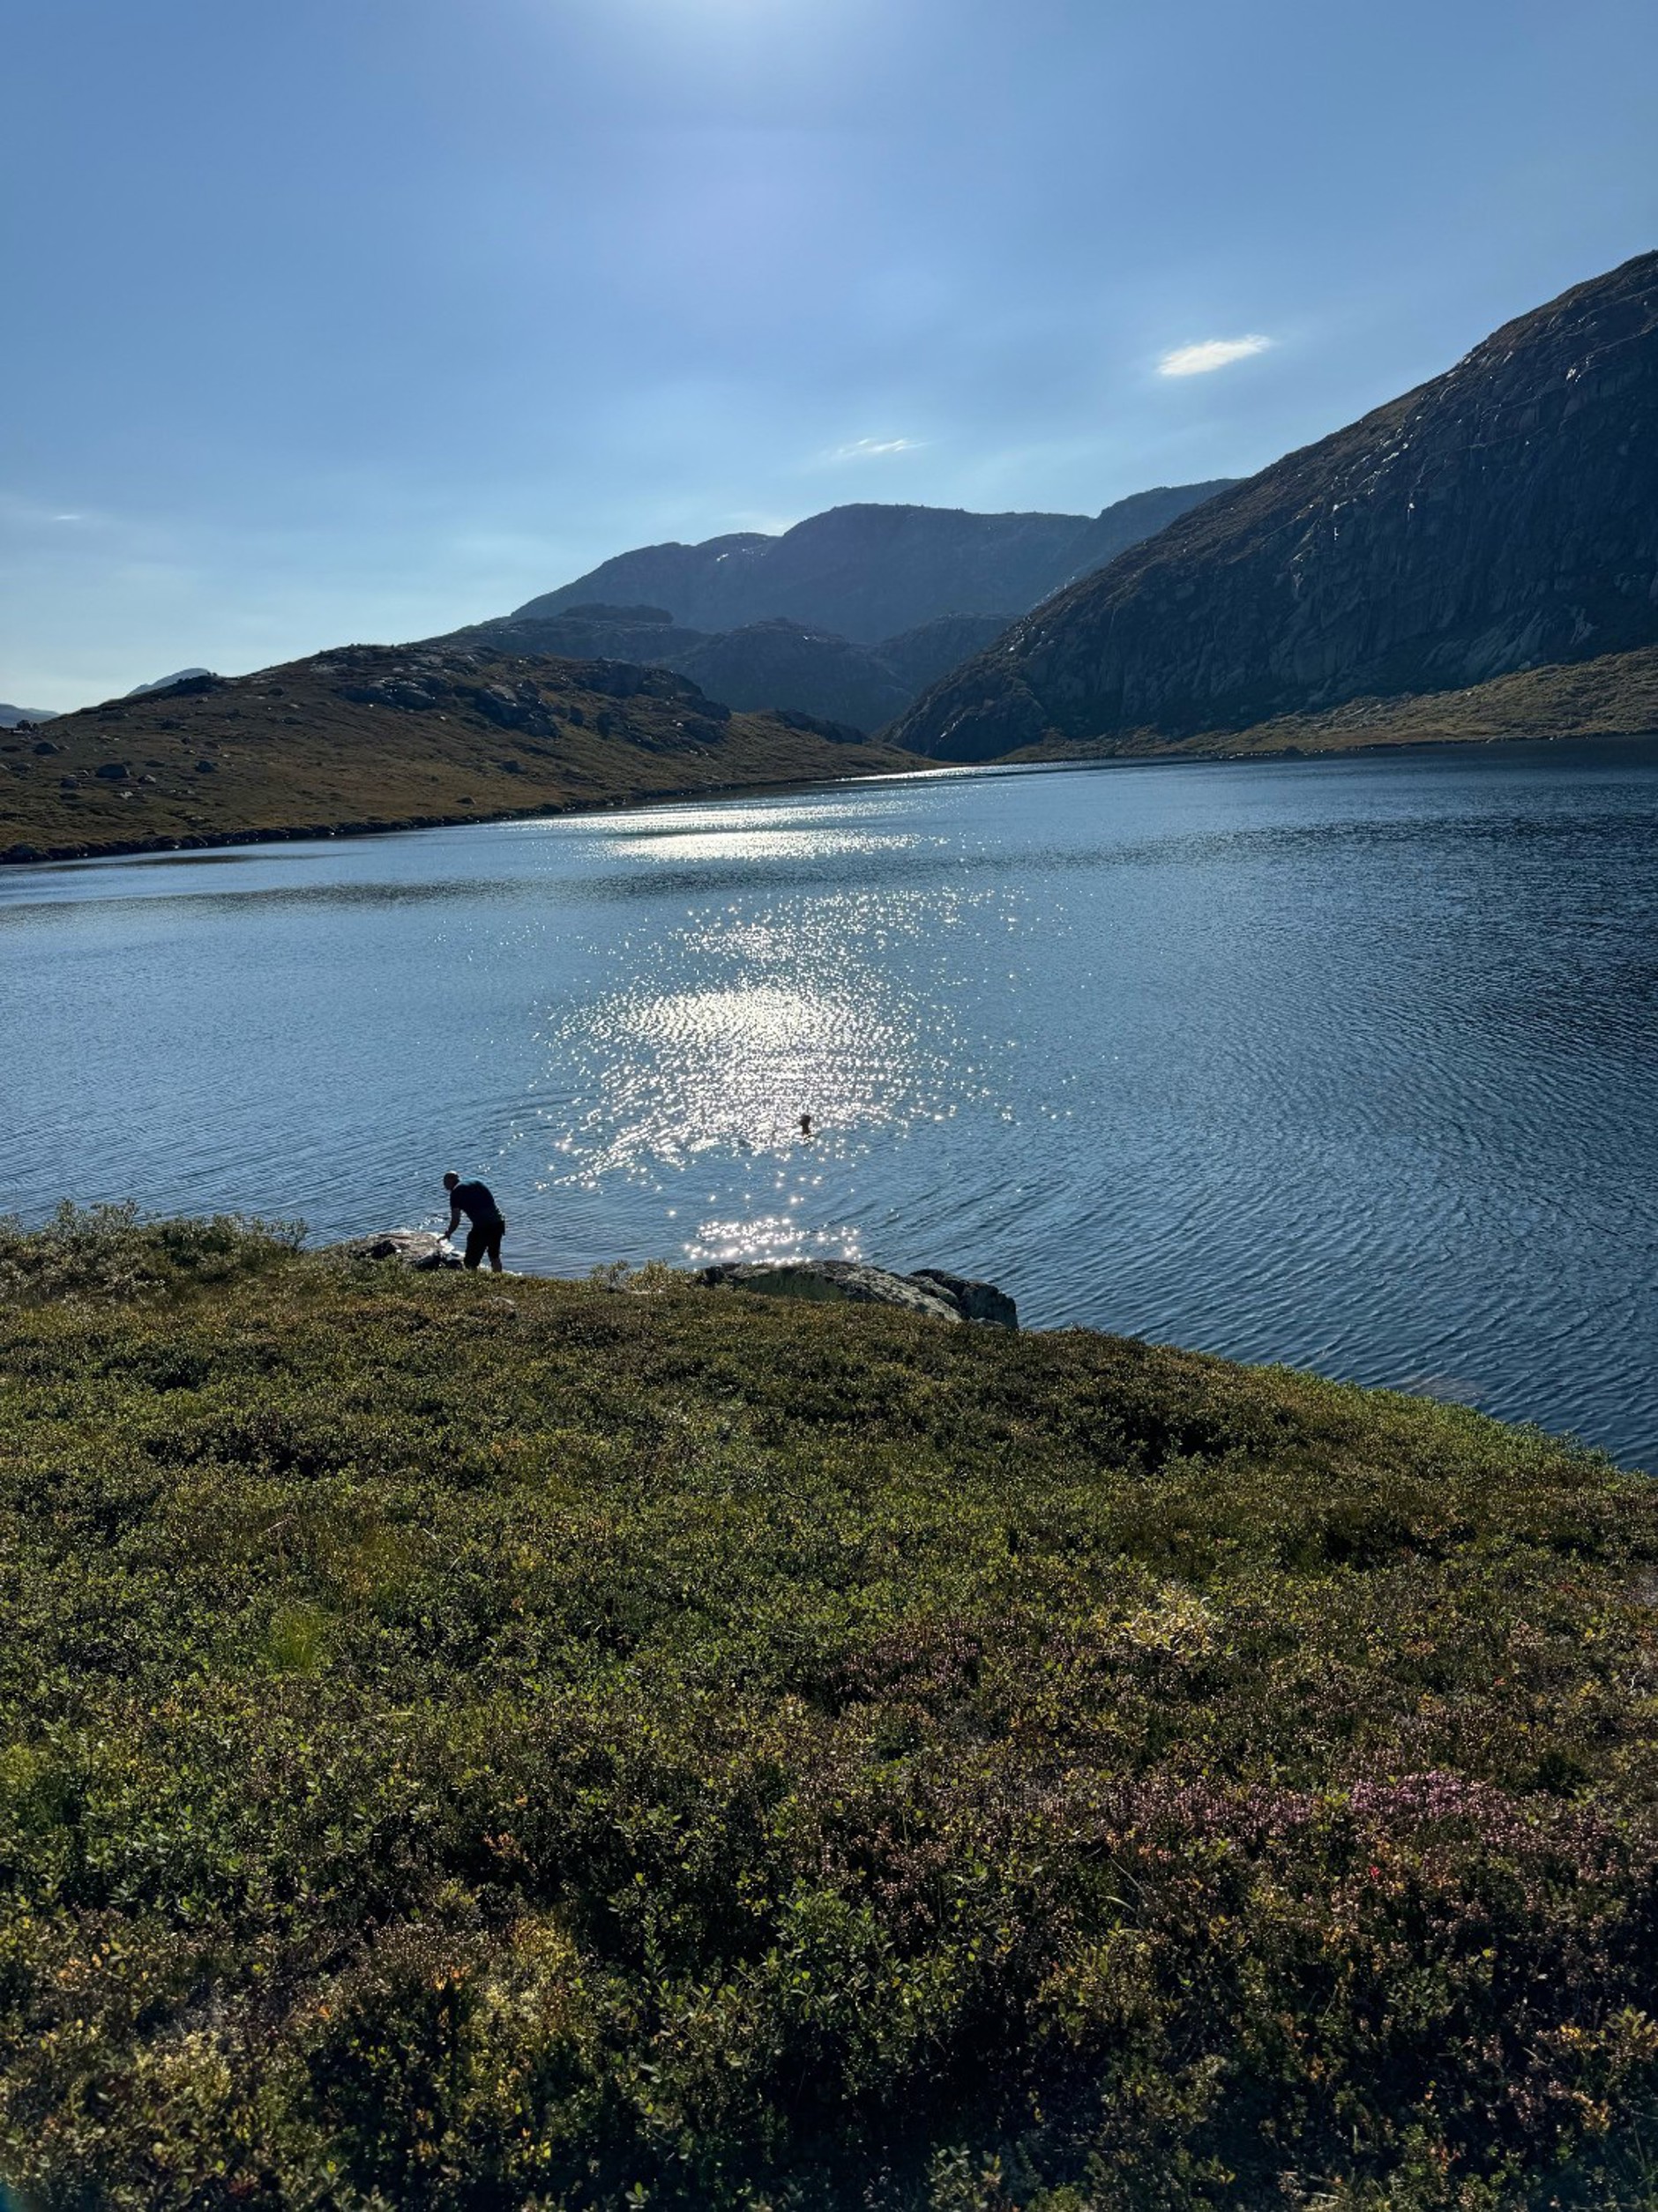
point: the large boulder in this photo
(418, 1248)
(830, 1281)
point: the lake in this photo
(1347, 1063)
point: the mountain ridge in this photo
(872, 570)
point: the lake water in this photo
(1348, 1063)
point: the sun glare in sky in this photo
(327, 334)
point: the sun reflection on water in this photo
(710, 847)
(734, 1068)
(690, 1075)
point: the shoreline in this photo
(1168, 755)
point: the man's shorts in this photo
(483, 1242)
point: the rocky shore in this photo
(932, 1292)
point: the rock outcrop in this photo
(930, 1292)
(1504, 516)
(417, 1248)
(973, 1301)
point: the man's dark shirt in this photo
(477, 1202)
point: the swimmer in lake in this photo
(805, 1125)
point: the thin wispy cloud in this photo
(874, 448)
(1211, 353)
(20, 513)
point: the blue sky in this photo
(334, 319)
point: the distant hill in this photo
(386, 738)
(770, 663)
(11, 716)
(1502, 517)
(870, 572)
(166, 683)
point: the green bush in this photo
(578, 1751)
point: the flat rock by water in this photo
(418, 1248)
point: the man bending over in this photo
(476, 1201)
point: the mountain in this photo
(11, 716)
(387, 738)
(770, 663)
(166, 683)
(1502, 517)
(869, 572)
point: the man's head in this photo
(450, 1180)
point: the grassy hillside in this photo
(382, 737)
(1616, 696)
(473, 1743)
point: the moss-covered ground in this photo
(478, 1742)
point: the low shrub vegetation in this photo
(109, 1251)
(471, 1743)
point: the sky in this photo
(333, 320)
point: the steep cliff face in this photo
(1504, 516)
(869, 572)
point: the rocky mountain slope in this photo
(387, 738)
(1502, 517)
(770, 664)
(11, 716)
(867, 572)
